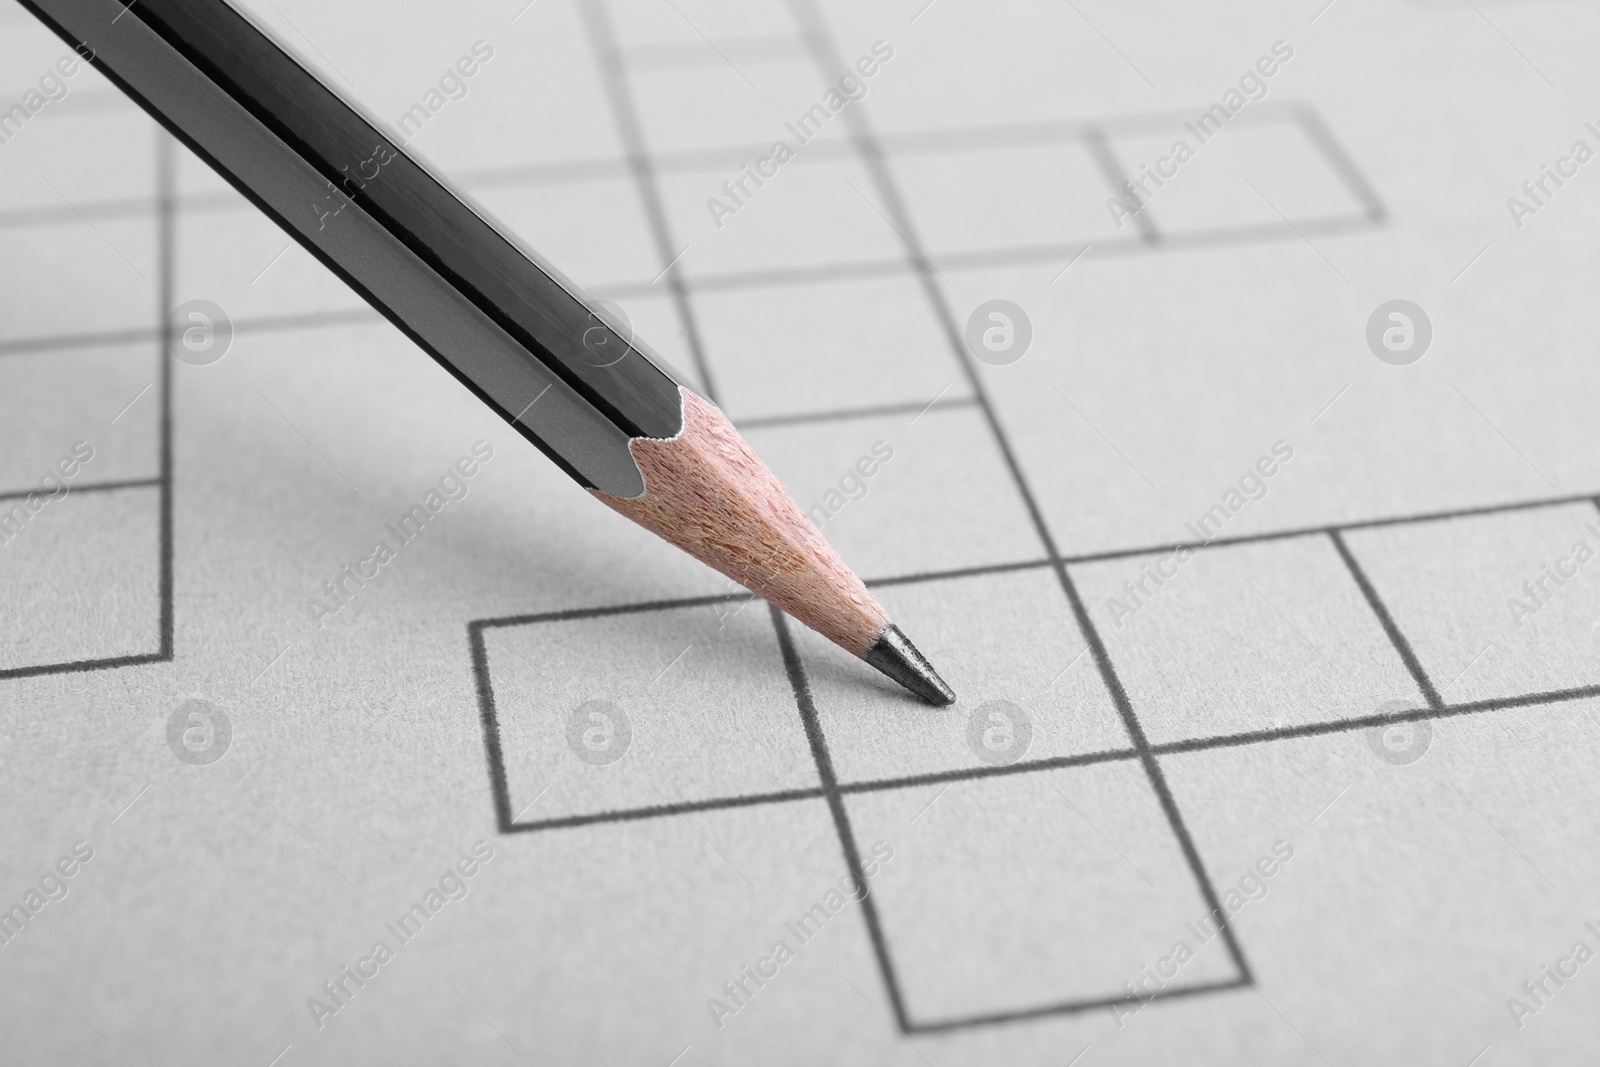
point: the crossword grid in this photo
(873, 151)
(833, 790)
(1437, 707)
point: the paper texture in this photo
(338, 726)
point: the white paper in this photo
(667, 784)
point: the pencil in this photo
(561, 368)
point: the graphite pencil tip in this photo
(898, 658)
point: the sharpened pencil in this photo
(561, 368)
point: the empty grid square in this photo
(81, 578)
(903, 493)
(1007, 637)
(695, 705)
(826, 346)
(1294, 172)
(107, 398)
(814, 213)
(110, 266)
(1213, 190)
(979, 199)
(1243, 637)
(1493, 605)
(1105, 882)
